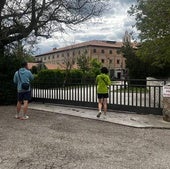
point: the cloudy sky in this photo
(111, 26)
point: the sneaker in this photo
(17, 116)
(99, 114)
(104, 116)
(24, 117)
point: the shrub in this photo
(49, 79)
(8, 65)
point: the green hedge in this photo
(49, 79)
(59, 78)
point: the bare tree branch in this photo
(21, 18)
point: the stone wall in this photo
(166, 109)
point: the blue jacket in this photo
(26, 77)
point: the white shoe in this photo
(24, 117)
(104, 116)
(17, 116)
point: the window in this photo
(49, 57)
(102, 60)
(118, 61)
(102, 50)
(68, 54)
(94, 50)
(110, 51)
(110, 60)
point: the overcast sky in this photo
(111, 26)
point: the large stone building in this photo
(105, 52)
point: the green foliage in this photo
(8, 65)
(137, 67)
(158, 59)
(83, 61)
(49, 79)
(95, 67)
(89, 78)
(75, 77)
(152, 20)
(34, 70)
(90, 68)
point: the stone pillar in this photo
(166, 103)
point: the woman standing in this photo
(103, 82)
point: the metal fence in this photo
(123, 95)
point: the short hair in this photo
(24, 64)
(104, 70)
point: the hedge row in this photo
(60, 78)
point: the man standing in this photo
(22, 79)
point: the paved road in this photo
(54, 141)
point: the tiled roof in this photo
(30, 65)
(51, 66)
(112, 44)
(48, 65)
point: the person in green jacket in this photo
(103, 82)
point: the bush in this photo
(89, 78)
(9, 64)
(49, 79)
(75, 77)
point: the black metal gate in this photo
(123, 95)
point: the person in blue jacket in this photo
(23, 75)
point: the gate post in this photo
(166, 102)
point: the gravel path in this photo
(55, 141)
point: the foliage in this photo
(152, 20)
(83, 62)
(137, 68)
(8, 65)
(75, 77)
(34, 70)
(49, 79)
(56, 78)
(21, 19)
(90, 68)
(95, 67)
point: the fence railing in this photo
(123, 95)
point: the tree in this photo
(137, 68)
(152, 20)
(20, 19)
(95, 67)
(83, 62)
(17, 49)
(69, 62)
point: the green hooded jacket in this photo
(103, 81)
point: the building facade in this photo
(105, 52)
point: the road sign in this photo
(166, 91)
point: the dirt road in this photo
(55, 141)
